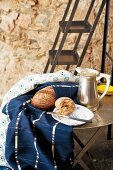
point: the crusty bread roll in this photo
(64, 106)
(44, 99)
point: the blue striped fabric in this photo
(34, 139)
(4, 168)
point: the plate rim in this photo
(81, 123)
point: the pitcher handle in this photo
(107, 77)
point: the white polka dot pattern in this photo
(28, 83)
(21, 87)
(3, 129)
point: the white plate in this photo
(79, 112)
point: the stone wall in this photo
(27, 32)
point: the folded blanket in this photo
(34, 139)
(21, 87)
(27, 83)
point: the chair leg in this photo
(109, 132)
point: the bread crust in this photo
(44, 99)
(64, 106)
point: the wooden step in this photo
(67, 57)
(76, 27)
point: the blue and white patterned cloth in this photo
(25, 85)
(3, 129)
(34, 139)
(28, 83)
(4, 168)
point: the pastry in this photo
(64, 106)
(44, 99)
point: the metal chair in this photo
(110, 126)
(71, 57)
(68, 57)
(106, 54)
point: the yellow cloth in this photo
(101, 89)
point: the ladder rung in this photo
(76, 27)
(66, 57)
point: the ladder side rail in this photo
(91, 33)
(86, 19)
(107, 11)
(63, 19)
(47, 65)
(111, 59)
(89, 10)
(80, 34)
(71, 16)
(66, 11)
(67, 67)
(112, 76)
(64, 35)
(58, 34)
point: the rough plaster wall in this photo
(27, 32)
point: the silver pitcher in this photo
(87, 91)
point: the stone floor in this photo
(101, 151)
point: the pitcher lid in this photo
(88, 72)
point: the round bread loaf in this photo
(44, 99)
(64, 106)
